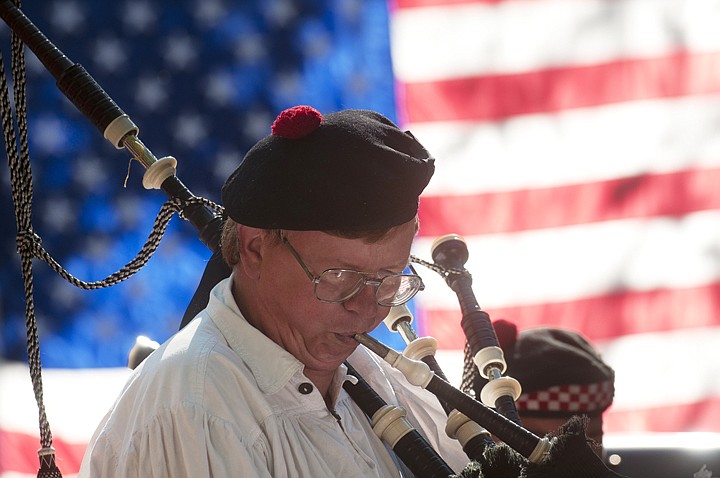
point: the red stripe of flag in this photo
(24, 458)
(702, 416)
(649, 195)
(599, 318)
(494, 97)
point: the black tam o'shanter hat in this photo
(351, 170)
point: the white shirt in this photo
(221, 399)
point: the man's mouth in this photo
(348, 338)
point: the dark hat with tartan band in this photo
(561, 374)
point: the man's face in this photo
(318, 334)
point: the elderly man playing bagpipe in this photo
(320, 218)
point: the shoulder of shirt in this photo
(195, 366)
(194, 372)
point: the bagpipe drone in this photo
(472, 422)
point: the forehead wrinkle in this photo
(326, 263)
(379, 257)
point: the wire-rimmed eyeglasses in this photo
(338, 285)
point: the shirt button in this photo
(305, 388)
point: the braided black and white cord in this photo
(29, 243)
(21, 182)
(469, 369)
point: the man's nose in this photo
(364, 301)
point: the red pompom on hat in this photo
(297, 122)
(506, 333)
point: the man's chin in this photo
(337, 353)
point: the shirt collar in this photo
(251, 345)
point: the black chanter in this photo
(418, 373)
(473, 438)
(390, 425)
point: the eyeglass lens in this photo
(337, 285)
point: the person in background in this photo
(561, 375)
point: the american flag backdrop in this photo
(576, 152)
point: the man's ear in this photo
(250, 250)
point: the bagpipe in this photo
(472, 422)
